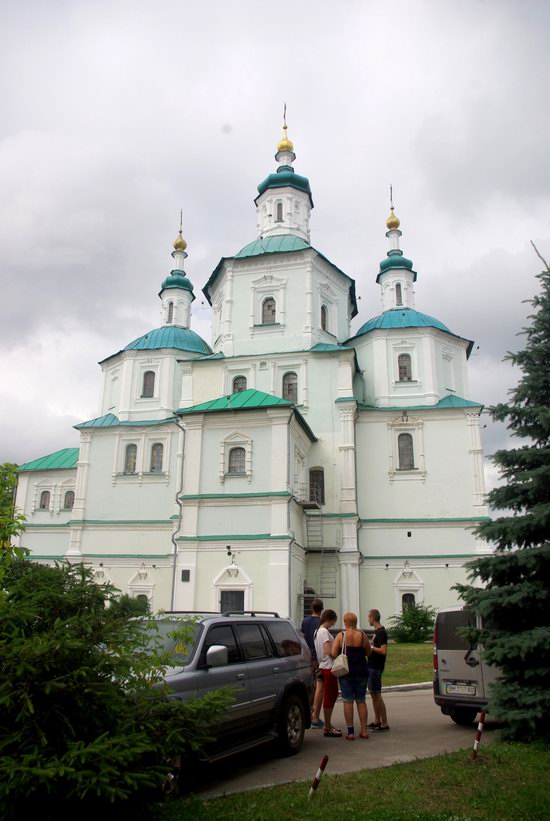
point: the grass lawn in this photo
(408, 664)
(507, 781)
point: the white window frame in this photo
(235, 440)
(407, 581)
(415, 427)
(260, 289)
(144, 441)
(142, 367)
(447, 358)
(409, 348)
(141, 583)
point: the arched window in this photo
(170, 317)
(317, 486)
(406, 452)
(44, 500)
(406, 600)
(279, 212)
(269, 311)
(290, 387)
(239, 384)
(405, 367)
(156, 457)
(130, 458)
(236, 461)
(398, 295)
(148, 384)
(68, 501)
(324, 318)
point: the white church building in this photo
(287, 458)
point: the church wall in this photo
(150, 497)
(441, 451)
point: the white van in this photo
(461, 676)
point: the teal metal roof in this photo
(111, 421)
(284, 177)
(273, 245)
(245, 400)
(324, 347)
(170, 336)
(401, 318)
(60, 460)
(395, 260)
(407, 318)
(284, 243)
(177, 279)
(449, 401)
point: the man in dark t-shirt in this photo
(310, 625)
(377, 661)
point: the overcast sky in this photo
(114, 115)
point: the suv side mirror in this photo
(216, 656)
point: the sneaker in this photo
(317, 724)
(373, 725)
(380, 728)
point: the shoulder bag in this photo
(340, 666)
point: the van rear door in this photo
(458, 665)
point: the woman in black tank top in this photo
(354, 685)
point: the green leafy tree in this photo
(8, 484)
(416, 623)
(12, 523)
(515, 581)
(86, 726)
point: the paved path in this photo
(418, 730)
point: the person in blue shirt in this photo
(309, 627)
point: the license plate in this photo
(461, 689)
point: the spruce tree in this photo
(514, 599)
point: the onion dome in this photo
(179, 243)
(177, 279)
(392, 222)
(285, 144)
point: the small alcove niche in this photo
(407, 582)
(141, 583)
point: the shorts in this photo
(353, 688)
(330, 690)
(375, 681)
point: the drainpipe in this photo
(289, 609)
(179, 503)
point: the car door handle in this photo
(275, 669)
(240, 675)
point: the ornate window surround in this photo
(410, 348)
(407, 581)
(232, 578)
(140, 369)
(235, 439)
(266, 286)
(415, 426)
(144, 440)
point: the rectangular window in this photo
(252, 641)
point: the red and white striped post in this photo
(315, 782)
(478, 734)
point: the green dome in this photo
(394, 260)
(170, 336)
(279, 244)
(401, 318)
(283, 177)
(176, 279)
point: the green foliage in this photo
(416, 623)
(85, 721)
(8, 484)
(515, 580)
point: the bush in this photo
(416, 623)
(86, 726)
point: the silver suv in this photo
(262, 658)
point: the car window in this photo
(284, 638)
(253, 642)
(222, 634)
(448, 625)
(179, 637)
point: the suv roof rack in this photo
(251, 613)
(190, 613)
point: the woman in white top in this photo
(323, 648)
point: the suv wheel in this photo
(291, 725)
(464, 715)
